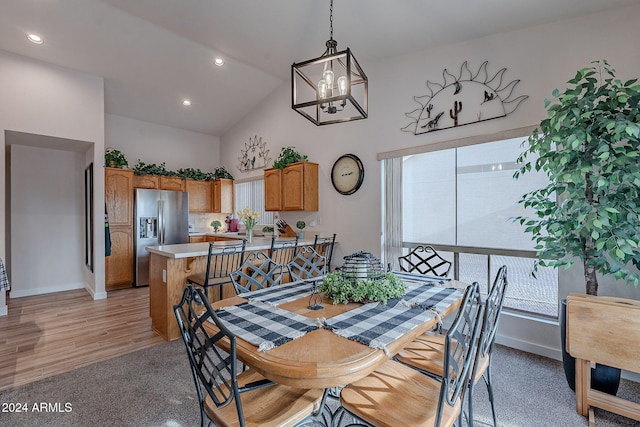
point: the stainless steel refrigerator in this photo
(161, 218)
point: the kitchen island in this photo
(169, 267)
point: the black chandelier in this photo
(331, 88)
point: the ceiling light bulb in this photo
(342, 85)
(219, 62)
(322, 89)
(327, 76)
(186, 102)
(34, 38)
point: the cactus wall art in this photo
(468, 98)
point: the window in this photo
(463, 201)
(251, 193)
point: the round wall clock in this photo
(347, 174)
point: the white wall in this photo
(153, 143)
(543, 58)
(47, 100)
(47, 217)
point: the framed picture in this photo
(88, 216)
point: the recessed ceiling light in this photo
(34, 38)
(186, 102)
(219, 62)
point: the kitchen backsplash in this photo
(200, 222)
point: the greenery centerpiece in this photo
(287, 156)
(250, 219)
(343, 290)
(589, 147)
(115, 158)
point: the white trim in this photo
(48, 290)
(455, 143)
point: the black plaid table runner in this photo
(276, 295)
(378, 325)
(264, 325)
(431, 297)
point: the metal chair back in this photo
(221, 262)
(307, 264)
(459, 350)
(425, 260)
(257, 272)
(324, 246)
(283, 250)
(214, 370)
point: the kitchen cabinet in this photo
(174, 183)
(119, 265)
(223, 196)
(119, 205)
(298, 188)
(146, 181)
(197, 239)
(273, 189)
(200, 196)
(118, 193)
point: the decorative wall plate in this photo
(254, 155)
(463, 99)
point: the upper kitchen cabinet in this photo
(297, 189)
(200, 196)
(273, 189)
(223, 196)
(146, 181)
(119, 196)
(172, 183)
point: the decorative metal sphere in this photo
(362, 265)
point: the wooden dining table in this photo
(321, 358)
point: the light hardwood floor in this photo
(46, 335)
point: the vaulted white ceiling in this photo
(154, 53)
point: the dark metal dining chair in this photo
(307, 264)
(258, 271)
(425, 353)
(324, 246)
(415, 398)
(228, 396)
(221, 262)
(423, 259)
(283, 250)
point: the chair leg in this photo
(487, 380)
(470, 392)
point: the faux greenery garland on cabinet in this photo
(287, 156)
(142, 168)
(343, 290)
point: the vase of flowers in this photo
(249, 219)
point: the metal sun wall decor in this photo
(254, 155)
(464, 99)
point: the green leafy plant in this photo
(221, 172)
(216, 224)
(287, 156)
(301, 225)
(196, 174)
(142, 168)
(343, 290)
(267, 229)
(115, 158)
(589, 147)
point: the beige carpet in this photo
(154, 387)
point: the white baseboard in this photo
(4, 310)
(48, 290)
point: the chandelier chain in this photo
(331, 19)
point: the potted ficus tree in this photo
(589, 147)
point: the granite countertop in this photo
(186, 250)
